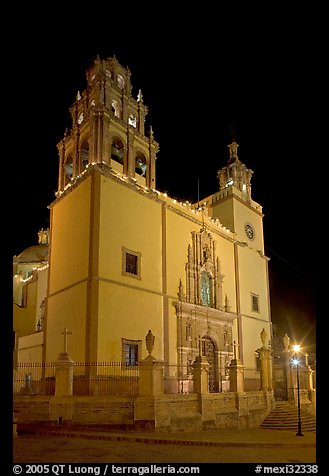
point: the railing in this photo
(34, 378)
(105, 378)
(89, 378)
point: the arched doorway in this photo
(211, 355)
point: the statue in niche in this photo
(205, 288)
(206, 253)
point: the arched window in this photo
(140, 164)
(121, 81)
(84, 154)
(205, 288)
(68, 170)
(132, 121)
(116, 108)
(117, 150)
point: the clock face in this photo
(249, 231)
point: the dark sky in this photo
(199, 84)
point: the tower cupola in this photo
(235, 174)
(108, 127)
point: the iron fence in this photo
(89, 378)
(105, 378)
(34, 378)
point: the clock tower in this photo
(236, 210)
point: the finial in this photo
(149, 339)
(233, 148)
(140, 96)
(263, 337)
(151, 133)
(78, 96)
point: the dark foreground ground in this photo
(215, 446)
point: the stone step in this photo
(285, 416)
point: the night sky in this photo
(199, 88)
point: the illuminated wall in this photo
(94, 224)
(69, 260)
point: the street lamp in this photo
(296, 349)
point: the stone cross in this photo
(66, 333)
(235, 345)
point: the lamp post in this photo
(296, 349)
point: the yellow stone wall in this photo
(90, 295)
(30, 348)
(24, 318)
(128, 307)
(67, 309)
(70, 233)
(129, 219)
(69, 264)
(127, 312)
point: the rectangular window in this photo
(130, 352)
(131, 263)
(254, 303)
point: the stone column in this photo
(61, 405)
(236, 376)
(265, 358)
(64, 375)
(150, 377)
(236, 372)
(265, 369)
(201, 375)
(150, 388)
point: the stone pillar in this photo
(150, 377)
(64, 375)
(61, 405)
(265, 368)
(236, 372)
(236, 376)
(265, 358)
(201, 375)
(150, 388)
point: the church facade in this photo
(125, 258)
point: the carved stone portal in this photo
(204, 278)
(203, 315)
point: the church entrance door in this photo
(209, 352)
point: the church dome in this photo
(33, 254)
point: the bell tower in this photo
(236, 174)
(108, 127)
(233, 204)
(234, 207)
(106, 175)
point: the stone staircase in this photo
(285, 417)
